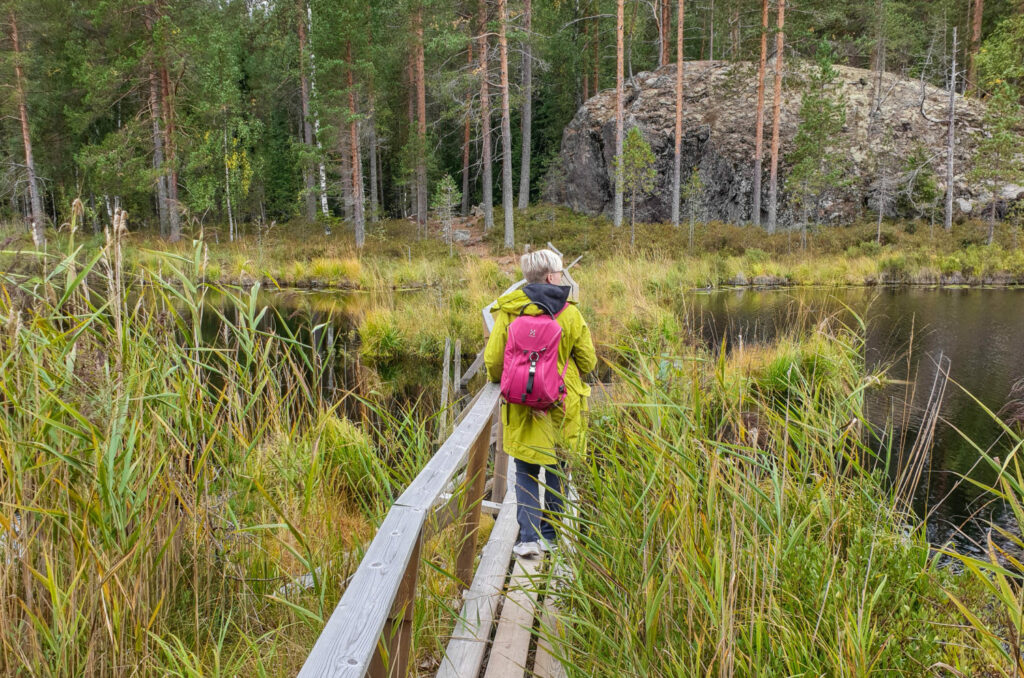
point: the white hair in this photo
(538, 264)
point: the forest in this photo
(230, 115)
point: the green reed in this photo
(730, 525)
(172, 505)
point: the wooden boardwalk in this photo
(506, 623)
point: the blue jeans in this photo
(533, 523)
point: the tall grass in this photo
(172, 505)
(731, 525)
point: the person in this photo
(537, 438)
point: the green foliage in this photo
(637, 171)
(1001, 58)
(818, 165)
(446, 197)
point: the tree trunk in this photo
(227, 187)
(950, 143)
(506, 128)
(486, 175)
(678, 157)
(421, 124)
(972, 69)
(663, 31)
(316, 123)
(734, 31)
(374, 179)
(345, 170)
(174, 215)
(586, 75)
(773, 175)
(36, 204)
(158, 157)
(879, 58)
(597, 54)
(527, 112)
(762, 70)
(467, 140)
(619, 21)
(307, 125)
(711, 31)
(357, 161)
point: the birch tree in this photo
(35, 202)
(762, 68)
(619, 26)
(677, 157)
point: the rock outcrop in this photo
(719, 105)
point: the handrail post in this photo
(397, 636)
(500, 483)
(473, 494)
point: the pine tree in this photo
(506, 128)
(773, 177)
(485, 123)
(526, 113)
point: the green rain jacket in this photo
(532, 435)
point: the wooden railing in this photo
(370, 631)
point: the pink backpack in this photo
(530, 373)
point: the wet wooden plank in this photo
(511, 645)
(465, 652)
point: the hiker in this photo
(543, 393)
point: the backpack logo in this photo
(533, 333)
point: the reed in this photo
(730, 524)
(172, 503)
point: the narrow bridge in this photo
(506, 623)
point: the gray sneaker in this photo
(527, 549)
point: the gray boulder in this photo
(718, 139)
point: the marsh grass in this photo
(171, 505)
(731, 524)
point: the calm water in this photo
(979, 330)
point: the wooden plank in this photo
(465, 652)
(423, 492)
(474, 367)
(347, 644)
(544, 664)
(515, 628)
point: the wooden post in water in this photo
(472, 495)
(397, 635)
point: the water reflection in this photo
(907, 329)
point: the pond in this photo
(908, 329)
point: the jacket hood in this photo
(534, 299)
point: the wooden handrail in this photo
(370, 631)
